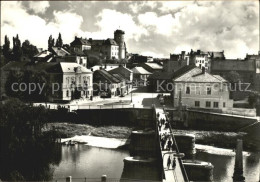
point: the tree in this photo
(29, 50)
(59, 41)
(51, 43)
(17, 51)
(233, 77)
(6, 48)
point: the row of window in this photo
(197, 90)
(72, 93)
(208, 104)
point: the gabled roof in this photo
(59, 51)
(233, 64)
(107, 76)
(140, 70)
(79, 41)
(68, 67)
(110, 42)
(43, 54)
(120, 69)
(196, 75)
(71, 68)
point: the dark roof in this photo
(110, 42)
(119, 31)
(215, 55)
(233, 64)
(171, 75)
(79, 41)
(119, 77)
(108, 76)
(60, 51)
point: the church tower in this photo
(119, 37)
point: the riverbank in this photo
(68, 130)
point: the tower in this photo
(119, 37)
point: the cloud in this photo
(158, 28)
(109, 20)
(39, 6)
(16, 20)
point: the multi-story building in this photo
(111, 48)
(199, 58)
(195, 87)
(68, 80)
(80, 44)
(107, 84)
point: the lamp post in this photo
(131, 97)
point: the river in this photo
(82, 161)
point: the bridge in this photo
(178, 174)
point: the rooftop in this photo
(154, 65)
(141, 71)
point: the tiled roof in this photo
(80, 41)
(196, 75)
(70, 68)
(108, 76)
(120, 69)
(140, 70)
(110, 42)
(233, 64)
(60, 51)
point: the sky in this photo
(152, 28)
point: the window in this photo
(187, 90)
(67, 93)
(216, 104)
(208, 103)
(197, 90)
(197, 103)
(208, 90)
(224, 104)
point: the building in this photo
(111, 48)
(198, 58)
(196, 88)
(140, 76)
(152, 67)
(68, 80)
(126, 74)
(106, 84)
(75, 81)
(80, 44)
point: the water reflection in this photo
(84, 161)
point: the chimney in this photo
(203, 70)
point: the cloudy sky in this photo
(152, 28)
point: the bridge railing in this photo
(177, 149)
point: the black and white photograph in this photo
(130, 91)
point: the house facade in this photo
(198, 89)
(80, 44)
(140, 76)
(106, 84)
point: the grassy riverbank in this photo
(67, 130)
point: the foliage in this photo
(29, 50)
(51, 43)
(233, 77)
(40, 79)
(6, 49)
(26, 152)
(253, 98)
(59, 41)
(17, 51)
